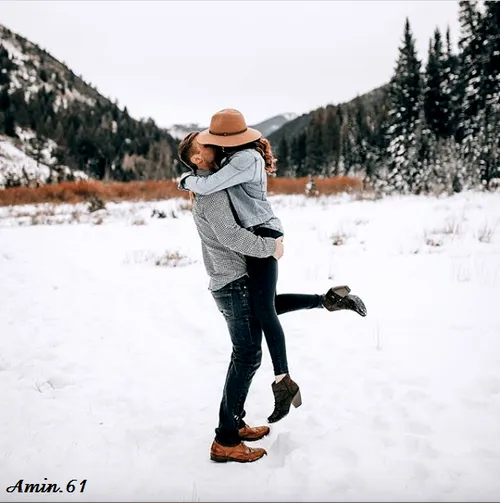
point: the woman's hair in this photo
(186, 149)
(262, 146)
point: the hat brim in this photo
(235, 140)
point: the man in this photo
(224, 244)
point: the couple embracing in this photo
(242, 242)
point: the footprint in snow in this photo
(482, 453)
(53, 383)
(281, 448)
(418, 428)
(347, 456)
(418, 445)
(415, 395)
(475, 404)
(381, 424)
(490, 386)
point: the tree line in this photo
(432, 128)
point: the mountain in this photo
(299, 124)
(179, 131)
(59, 120)
(343, 139)
(274, 123)
(265, 127)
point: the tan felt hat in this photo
(228, 128)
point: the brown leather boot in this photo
(286, 393)
(251, 434)
(239, 453)
(338, 298)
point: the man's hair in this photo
(262, 146)
(186, 149)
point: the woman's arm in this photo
(241, 168)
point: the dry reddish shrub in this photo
(325, 186)
(82, 191)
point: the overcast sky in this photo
(180, 62)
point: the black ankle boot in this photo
(338, 298)
(286, 393)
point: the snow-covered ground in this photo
(111, 366)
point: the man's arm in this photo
(180, 180)
(217, 212)
(241, 168)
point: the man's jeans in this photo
(233, 302)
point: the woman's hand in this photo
(278, 253)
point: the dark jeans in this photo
(233, 301)
(266, 305)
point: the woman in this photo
(246, 159)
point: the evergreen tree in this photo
(437, 141)
(361, 136)
(331, 140)
(490, 116)
(314, 162)
(283, 158)
(436, 90)
(19, 107)
(9, 125)
(6, 66)
(470, 77)
(405, 92)
(4, 99)
(298, 154)
(451, 85)
(348, 133)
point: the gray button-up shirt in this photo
(223, 242)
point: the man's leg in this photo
(246, 337)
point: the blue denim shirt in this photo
(245, 179)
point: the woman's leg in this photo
(332, 301)
(263, 276)
(288, 302)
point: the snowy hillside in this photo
(29, 59)
(32, 70)
(114, 355)
(19, 169)
(57, 118)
